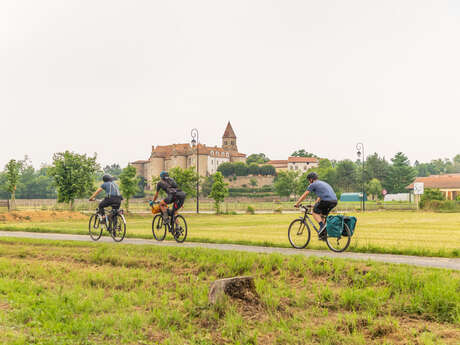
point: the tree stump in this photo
(242, 288)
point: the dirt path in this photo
(435, 262)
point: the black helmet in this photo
(106, 178)
(312, 176)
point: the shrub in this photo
(279, 209)
(250, 210)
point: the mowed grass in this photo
(411, 233)
(94, 293)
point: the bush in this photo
(279, 209)
(250, 210)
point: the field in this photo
(413, 233)
(94, 293)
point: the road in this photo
(434, 262)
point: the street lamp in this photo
(195, 141)
(360, 152)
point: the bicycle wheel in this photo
(299, 234)
(180, 229)
(339, 244)
(94, 227)
(159, 228)
(118, 228)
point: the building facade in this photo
(164, 158)
(301, 164)
(448, 184)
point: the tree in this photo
(253, 182)
(241, 169)
(113, 170)
(12, 171)
(374, 188)
(401, 174)
(186, 179)
(303, 153)
(73, 175)
(206, 186)
(219, 190)
(254, 169)
(258, 158)
(129, 184)
(346, 175)
(286, 183)
(376, 167)
(227, 169)
(267, 170)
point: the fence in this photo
(207, 205)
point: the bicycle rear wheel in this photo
(180, 229)
(340, 244)
(118, 228)
(94, 227)
(299, 234)
(158, 228)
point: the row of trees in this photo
(244, 169)
(70, 176)
(348, 176)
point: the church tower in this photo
(229, 139)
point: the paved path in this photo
(448, 263)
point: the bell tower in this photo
(229, 139)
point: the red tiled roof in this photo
(229, 133)
(438, 181)
(302, 160)
(277, 162)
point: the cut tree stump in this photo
(237, 287)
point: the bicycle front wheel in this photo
(159, 228)
(180, 229)
(118, 228)
(95, 228)
(299, 234)
(340, 244)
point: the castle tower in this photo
(229, 139)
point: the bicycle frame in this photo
(306, 217)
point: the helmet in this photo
(312, 176)
(106, 178)
(164, 174)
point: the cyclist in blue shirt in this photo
(113, 197)
(325, 202)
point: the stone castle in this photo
(185, 156)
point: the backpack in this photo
(171, 187)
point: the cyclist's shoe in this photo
(322, 234)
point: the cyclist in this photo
(174, 195)
(325, 202)
(113, 197)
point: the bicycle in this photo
(114, 223)
(299, 233)
(176, 225)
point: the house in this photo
(301, 164)
(449, 184)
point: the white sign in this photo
(418, 188)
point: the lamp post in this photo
(360, 151)
(195, 141)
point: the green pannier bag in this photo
(334, 226)
(351, 222)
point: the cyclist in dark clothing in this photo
(325, 202)
(113, 197)
(174, 194)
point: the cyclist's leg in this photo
(179, 200)
(102, 204)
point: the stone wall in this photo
(245, 180)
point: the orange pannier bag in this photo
(156, 209)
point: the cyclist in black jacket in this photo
(174, 194)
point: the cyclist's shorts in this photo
(324, 207)
(179, 200)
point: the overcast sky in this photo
(117, 76)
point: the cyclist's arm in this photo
(302, 198)
(95, 193)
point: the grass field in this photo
(95, 293)
(412, 233)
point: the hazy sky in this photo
(117, 76)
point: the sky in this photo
(116, 77)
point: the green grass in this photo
(409, 233)
(92, 293)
